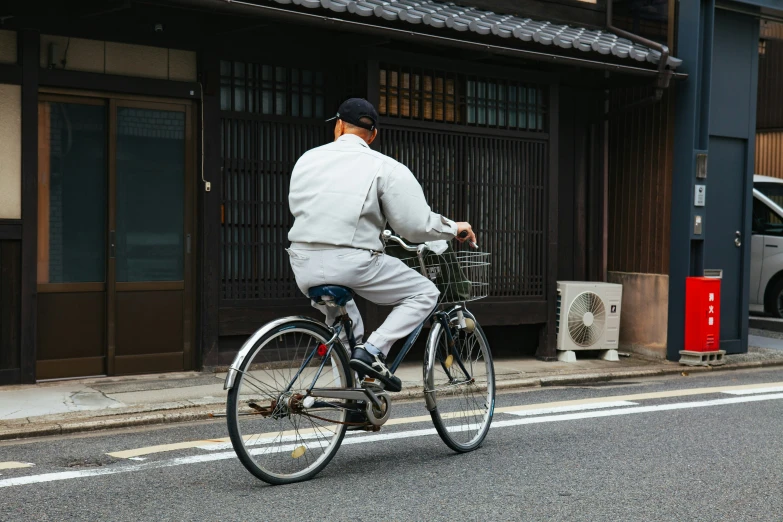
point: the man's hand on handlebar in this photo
(465, 233)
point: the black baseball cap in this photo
(353, 110)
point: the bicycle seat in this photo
(331, 294)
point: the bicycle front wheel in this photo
(278, 435)
(460, 391)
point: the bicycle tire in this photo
(260, 383)
(471, 413)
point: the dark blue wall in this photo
(716, 115)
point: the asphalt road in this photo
(679, 452)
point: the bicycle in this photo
(292, 391)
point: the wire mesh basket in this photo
(460, 276)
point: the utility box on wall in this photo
(702, 322)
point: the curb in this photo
(766, 323)
(185, 413)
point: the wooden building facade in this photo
(155, 142)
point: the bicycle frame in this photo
(344, 322)
(369, 392)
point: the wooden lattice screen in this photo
(479, 147)
(258, 157)
(498, 184)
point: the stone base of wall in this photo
(645, 313)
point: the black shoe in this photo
(374, 366)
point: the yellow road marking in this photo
(423, 418)
(156, 449)
(15, 465)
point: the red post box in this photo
(702, 314)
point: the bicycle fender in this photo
(251, 342)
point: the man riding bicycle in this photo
(342, 195)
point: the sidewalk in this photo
(61, 407)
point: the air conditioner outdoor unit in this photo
(588, 318)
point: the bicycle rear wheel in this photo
(276, 436)
(460, 397)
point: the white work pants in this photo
(381, 279)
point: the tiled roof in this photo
(448, 15)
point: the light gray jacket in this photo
(342, 194)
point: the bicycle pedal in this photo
(374, 384)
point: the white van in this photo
(766, 250)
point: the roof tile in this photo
(449, 15)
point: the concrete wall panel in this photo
(8, 53)
(82, 55)
(182, 65)
(137, 60)
(645, 315)
(10, 152)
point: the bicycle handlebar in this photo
(388, 236)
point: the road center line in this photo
(211, 457)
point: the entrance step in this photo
(715, 358)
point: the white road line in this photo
(771, 389)
(575, 407)
(269, 438)
(122, 468)
(639, 409)
(211, 457)
(225, 443)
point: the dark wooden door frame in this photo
(189, 238)
(28, 44)
(29, 74)
(547, 346)
(112, 101)
(208, 277)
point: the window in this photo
(496, 104)
(765, 220)
(271, 90)
(773, 191)
(72, 191)
(454, 98)
(419, 96)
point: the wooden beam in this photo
(118, 84)
(10, 290)
(581, 171)
(10, 73)
(9, 376)
(244, 320)
(44, 192)
(29, 46)
(12, 230)
(547, 346)
(211, 212)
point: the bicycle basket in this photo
(460, 276)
